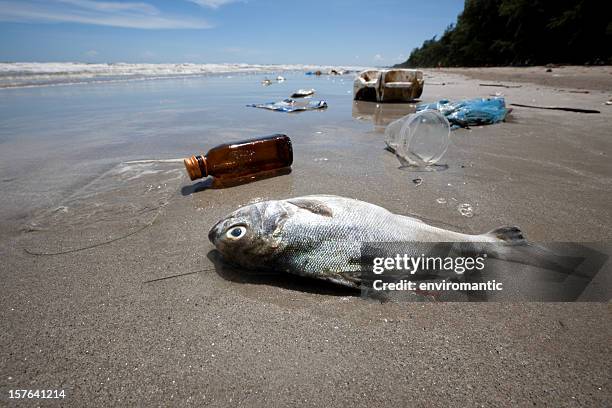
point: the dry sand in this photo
(85, 321)
(597, 78)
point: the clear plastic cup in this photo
(420, 139)
(392, 133)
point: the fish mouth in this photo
(214, 232)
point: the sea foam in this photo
(23, 74)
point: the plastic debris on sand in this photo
(388, 85)
(291, 105)
(469, 112)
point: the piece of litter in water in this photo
(318, 159)
(302, 93)
(441, 200)
(291, 105)
(418, 181)
(466, 210)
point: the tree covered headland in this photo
(522, 32)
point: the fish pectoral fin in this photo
(312, 205)
(511, 235)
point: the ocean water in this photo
(26, 74)
(55, 141)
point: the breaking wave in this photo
(25, 74)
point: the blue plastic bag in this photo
(470, 112)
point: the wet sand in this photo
(86, 322)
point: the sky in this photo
(326, 32)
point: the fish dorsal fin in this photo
(511, 235)
(312, 205)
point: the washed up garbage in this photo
(388, 85)
(268, 81)
(245, 159)
(420, 139)
(291, 105)
(302, 93)
(367, 86)
(332, 71)
(470, 112)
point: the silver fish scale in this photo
(330, 247)
(321, 236)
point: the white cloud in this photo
(104, 13)
(112, 6)
(212, 3)
(91, 53)
(378, 57)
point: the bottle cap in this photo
(196, 167)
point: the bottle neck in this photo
(196, 167)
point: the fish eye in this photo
(236, 232)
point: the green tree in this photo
(521, 32)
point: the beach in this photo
(87, 321)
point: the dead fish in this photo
(320, 236)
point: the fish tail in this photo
(511, 245)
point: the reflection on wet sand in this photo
(219, 183)
(381, 114)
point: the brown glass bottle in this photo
(242, 159)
